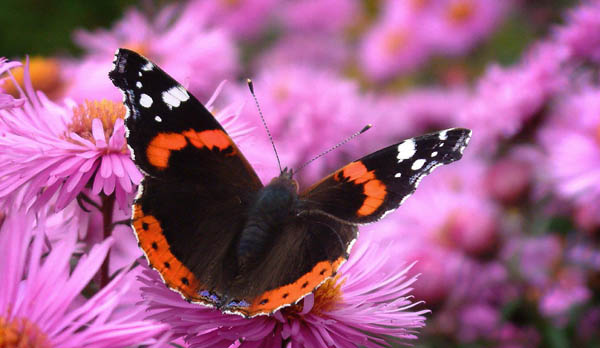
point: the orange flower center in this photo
(419, 4)
(105, 110)
(394, 41)
(139, 47)
(598, 134)
(21, 333)
(460, 11)
(45, 77)
(327, 297)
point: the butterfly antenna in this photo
(251, 87)
(365, 128)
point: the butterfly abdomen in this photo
(273, 206)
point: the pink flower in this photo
(569, 290)
(394, 45)
(517, 93)
(455, 26)
(197, 55)
(6, 100)
(581, 33)
(52, 150)
(244, 19)
(365, 305)
(318, 16)
(571, 141)
(41, 303)
(301, 105)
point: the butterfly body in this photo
(221, 238)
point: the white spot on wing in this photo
(157, 119)
(418, 164)
(398, 175)
(138, 84)
(443, 135)
(175, 96)
(145, 100)
(406, 150)
(434, 153)
(148, 66)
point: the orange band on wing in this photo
(374, 190)
(289, 294)
(160, 147)
(214, 138)
(154, 244)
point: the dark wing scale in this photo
(197, 183)
(365, 190)
(307, 252)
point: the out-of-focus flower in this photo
(508, 179)
(188, 49)
(567, 291)
(45, 75)
(581, 33)
(455, 26)
(305, 50)
(307, 111)
(533, 258)
(505, 99)
(571, 139)
(366, 304)
(50, 149)
(415, 112)
(394, 45)
(478, 321)
(244, 19)
(318, 16)
(40, 300)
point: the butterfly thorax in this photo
(274, 204)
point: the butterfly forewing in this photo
(367, 189)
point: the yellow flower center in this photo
(394, 41)
(105, 110)
(21, 333)
(45, 77)
(460, 11)
(327, 297)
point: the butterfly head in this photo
(285, 179)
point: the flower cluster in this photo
(501, 249)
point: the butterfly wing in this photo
(367, 189)
(197, 187)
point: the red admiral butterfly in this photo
(218, 236)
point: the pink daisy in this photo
(321, 16)
(56, 150)
(6, 100)
(41, 301)
(244, 19)
(581, 33)
(455, 26)
(394, 45)
(517, 93)
(572, 146)
(193, 52)
(366, 304)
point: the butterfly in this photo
(221, 238)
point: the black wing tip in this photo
(122, 60)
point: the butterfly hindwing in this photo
(366, 189)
